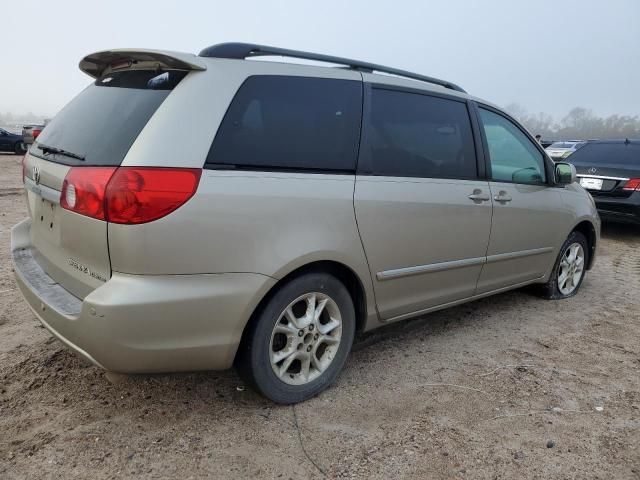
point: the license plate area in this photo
(591, 183)
(46, 220)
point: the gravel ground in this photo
(506, 387)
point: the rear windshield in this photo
(599, 153)
(102, 122)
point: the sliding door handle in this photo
(502, 197)
(477, 196)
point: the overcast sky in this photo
(547, 55)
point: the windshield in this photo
(608, 153)
(562, 145)
(103, 121)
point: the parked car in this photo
(300, 205)
(610, 171)
(11, 142)
(31, 132)
(559, 151)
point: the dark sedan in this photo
(610, 171)
(10, 142)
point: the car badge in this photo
(593, 170)
(36, 173)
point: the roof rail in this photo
(241, 51)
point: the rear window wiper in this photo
(46, 149)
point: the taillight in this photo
(139, 194)
(128, 195)
(632, 184)
(35, 132)
(83, 190)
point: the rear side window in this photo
(102, 122)
(607, 153)
(415, 135)
(290, 123)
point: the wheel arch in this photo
(341, 271)
(586, 228)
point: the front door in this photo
(527, 211)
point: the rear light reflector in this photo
(128, 195)
(632, 184)
(83, 190)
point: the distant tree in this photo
(537, 124)
(579, 123)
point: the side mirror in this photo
(565, 173)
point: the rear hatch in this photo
(96, 129)
(608, 169)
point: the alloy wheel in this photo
(305, 339)
(571, 269)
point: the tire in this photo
(297, 360)
(558, 286)
(19, 149)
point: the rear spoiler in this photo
(100, 63)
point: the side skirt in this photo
(459, 302)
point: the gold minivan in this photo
(198, 212)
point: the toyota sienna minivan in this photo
(198, 212)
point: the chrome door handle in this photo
(502, 197)
(478, 196)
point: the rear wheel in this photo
(569, 269)
(300, 339)
(19, 149)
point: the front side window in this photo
(415, 135)
(514, 158)
(291, 123)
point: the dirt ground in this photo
(507, 387)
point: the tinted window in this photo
(414, 135)
(514, 158)
(291, 123)
(608, 153)
(102, 122)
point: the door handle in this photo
(477, 196)
(502, 197)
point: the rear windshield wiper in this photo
(46, 149)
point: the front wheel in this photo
(300, 339)
(569, 269)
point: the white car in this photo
(559, 151)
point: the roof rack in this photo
(241, 51)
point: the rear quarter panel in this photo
(253, 222)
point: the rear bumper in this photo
(144, 323)
(625, 210)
